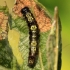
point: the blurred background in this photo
(64, 13)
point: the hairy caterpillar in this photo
(33, 36)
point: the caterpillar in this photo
(33, 36)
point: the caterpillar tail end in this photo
(31, 61)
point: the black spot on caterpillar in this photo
(33, 36)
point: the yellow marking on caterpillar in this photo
(33, 49)
(33, 43)
(33, 31)
(33, 27)
(30, 18)
(30, 61)
(33, 36)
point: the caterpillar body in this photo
(33, 36)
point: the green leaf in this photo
(6, 54)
